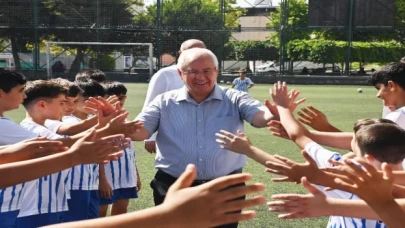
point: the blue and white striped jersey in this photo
(47, 194)
(242, 85)
(122, 173)
(11, 198)
(321, 157)
(83, 177)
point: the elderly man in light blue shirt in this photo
(188, 118)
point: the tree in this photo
(186, 19)
(19, 20)
(296, 23)
(89, 21)
(251, 50)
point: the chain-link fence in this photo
(269, 38)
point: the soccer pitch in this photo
(342, 105)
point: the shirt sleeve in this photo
(234, 81)
(70, 120)
(398, 117)
(44, 132)
(157, 85)
(13, 133)
(321, 155)
(53, 125)
(150, 116)
(250, 81)
(248, 106)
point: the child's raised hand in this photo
(293, 171)
(239, 144)
(277, 129)
(293, 206)
(211, 204)
(366, 182)
(279, 94)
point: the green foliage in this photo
(187, 19)
(251, 50)
(327, 51)
(296, 19)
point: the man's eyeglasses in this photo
(194, 73)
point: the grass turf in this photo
(342, 105)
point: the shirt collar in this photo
(183, 95)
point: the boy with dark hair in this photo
(44, 200)
(84, 202)
(91, 74)
(11, 96)
(72, 99)
(13, 82)
(114, 88)
(121, 176)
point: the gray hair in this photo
(191, 54)
(192, 43)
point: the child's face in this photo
(71, 105)
(386, 94)
(53, 109)
(355, 147)
(12, 100)
(122, 98)
(80, 104)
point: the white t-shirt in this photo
(47, 194)
(242, 85)
(385, 111)
(11, 197)
(321, 157)
(82, 177)
(398, 116)
(122, 173)
(53, 125)
(164, 80)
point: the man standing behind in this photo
(242, 83)
(164, 80)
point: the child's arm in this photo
(373, 187)
(82, 152)
(341, 140)
(73, 129)
(104, 189)
(283, 100)
(316, 204)
(115, 126)
(29, 149)
(138, 180)
(316, 119)
(206, 205)
(242, 145)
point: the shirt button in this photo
(200, 146)
(200, 160)
(199, 120)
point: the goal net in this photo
(111, 58)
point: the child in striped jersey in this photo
(121, 176)
(11, 96)
(45, 199)
(84, 183)
(79, 185)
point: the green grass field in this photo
(342, 105)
